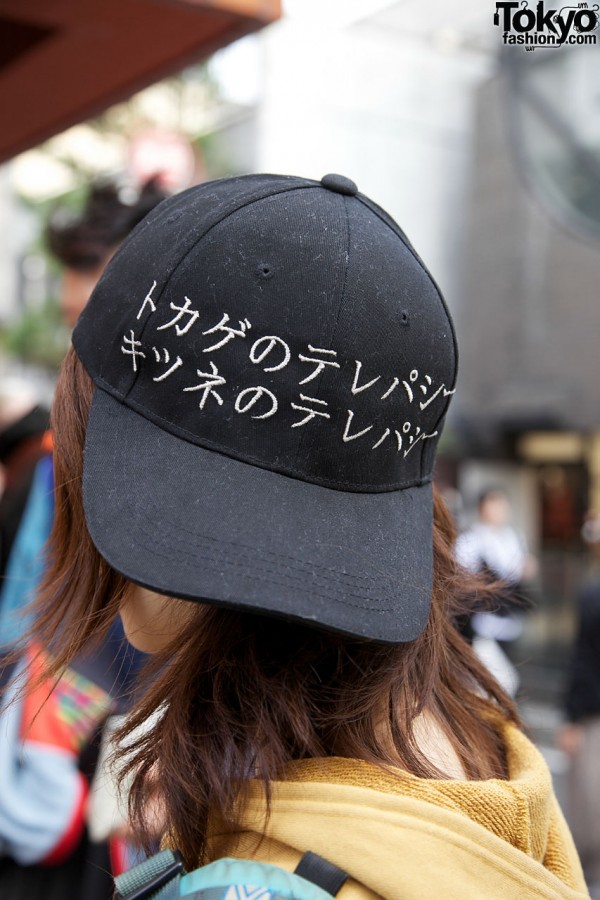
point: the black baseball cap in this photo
(273, 365)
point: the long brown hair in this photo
(239, 696)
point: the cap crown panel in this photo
(282, 324)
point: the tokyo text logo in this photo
(541, 27)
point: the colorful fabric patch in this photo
(81, 705)
(64, 715)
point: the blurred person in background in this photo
(83, 244)
(50, 735)
(580, 736)
(493, 547)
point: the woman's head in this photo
(272, 366)
(240, 692)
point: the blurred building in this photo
(528, 410)
(529, 321)
(381, 92)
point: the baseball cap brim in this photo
(193, 523)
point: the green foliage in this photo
(39, 336)
(214, 155)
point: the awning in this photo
(63, 61)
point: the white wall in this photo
(391, 112)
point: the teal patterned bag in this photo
(162, 877)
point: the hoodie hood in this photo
(400, 836)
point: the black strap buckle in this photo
(322, 873)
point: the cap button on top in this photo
(340, 184)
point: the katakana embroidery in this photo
(273, 354)
(392, 387)
(181, 312)
(441, 390)
(132, 351)
(406, 430)
(267, 344)
(352, 437)
(230, 333)
(311, 413)
(167, 359)
(433, 396)
(355, 388)
(254, 394)
(413, 439)
(408, 387)
(147, 299)
(320, 363)
(381, 439)
(213, 380)
(424, 388)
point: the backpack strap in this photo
(163, 870)
(158, 878)
(322, 873)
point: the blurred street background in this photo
(487, 155)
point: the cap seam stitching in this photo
(271, 568)
(289, 577)
(411, 249)
(337, 319)
(193, 246)
(293, 561)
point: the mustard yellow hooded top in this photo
(407, 838)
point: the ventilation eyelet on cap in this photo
(264, 270)
(340, 184)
